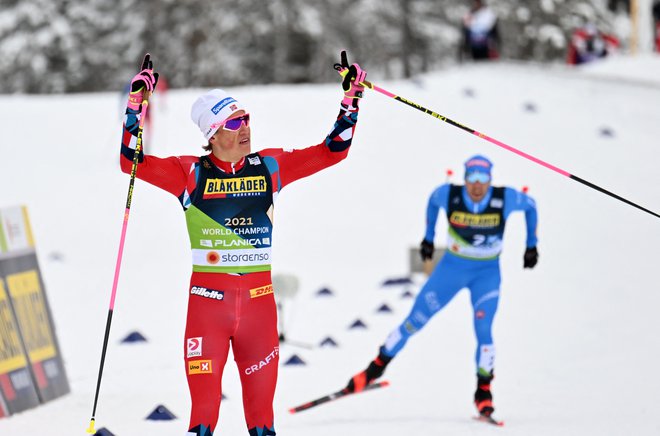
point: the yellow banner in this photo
(11, 350)
(32, 314)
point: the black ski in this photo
(335, 396)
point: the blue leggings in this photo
(482, 278)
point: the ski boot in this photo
(483, 398)
(263, 431)
(200, 430)
(375, 369)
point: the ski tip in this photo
(292, 410)
(385, 383)
(498, 423)
(489, 420)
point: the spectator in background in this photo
(588, 44)
(656, 25)
(619, 5)
(481, 39)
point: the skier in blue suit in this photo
(476, 213)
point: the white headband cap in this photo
(213, 108)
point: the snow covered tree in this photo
(54, 46)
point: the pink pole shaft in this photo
(523, 154)
(508, 147)
(120, 254)
(474, 132)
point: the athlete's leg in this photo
(445, 281)
(256, 350)
(206, 345)
(485, 293)
(443, 284)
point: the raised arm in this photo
(291, 165)
(168, 173)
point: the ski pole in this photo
(129, 197)
(536, 160)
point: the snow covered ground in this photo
(576, 337)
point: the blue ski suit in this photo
(471, 261)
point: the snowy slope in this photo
(575, 337)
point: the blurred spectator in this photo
(619, 5)
(656, 25)
(481, 39)
(159, 99)
(588, 43)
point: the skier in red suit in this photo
(228, 197)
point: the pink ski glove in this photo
(353, 77)
(143, 82)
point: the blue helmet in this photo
(478, 163)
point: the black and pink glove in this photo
(143, 82)
(352, 83)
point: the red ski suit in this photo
(229, 213)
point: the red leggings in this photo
(224, 309)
